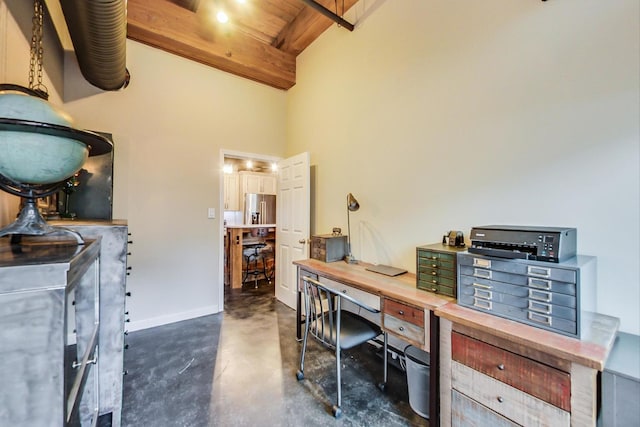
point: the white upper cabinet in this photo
(259, 183)
(231, 192)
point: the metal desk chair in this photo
(335, 328)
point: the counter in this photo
(237, 237)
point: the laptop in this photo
(387, 270)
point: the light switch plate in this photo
(212, 213)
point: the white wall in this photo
(169, 126)
(446, 114)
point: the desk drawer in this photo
(404, 312)
(468, 412)
(404, 330)
(372, 300)
(544, 382)
(505, 400)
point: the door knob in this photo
(302, 241)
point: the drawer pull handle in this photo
(484, 263)
(540, 295)
(401, 328)
(479, 285)
(540, 307)
(434, 289)
(434, 265)
(344, 291)
(538, 271)
(500, 399)
(482, 303)
(540, 283)
(501, 366)
(482, 293)
(434, 257)
(434, 281)
(540, 318)
(485, 274)
(434, 273)
(401, 313)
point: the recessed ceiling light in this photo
(222, 17)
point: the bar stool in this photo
(253, 261)
(268, 260)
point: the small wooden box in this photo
(328, 247)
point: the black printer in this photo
(552, 244)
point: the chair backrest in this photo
(323, 310)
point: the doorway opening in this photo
(248, 192)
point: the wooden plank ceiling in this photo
(260, 42)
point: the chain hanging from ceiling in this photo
(37, 51)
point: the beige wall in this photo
(169, 126)
(437, 115)
(445, 114)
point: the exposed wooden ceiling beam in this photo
(307, 26)
(169, 27)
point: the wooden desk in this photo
(493, 368)
(398, 298)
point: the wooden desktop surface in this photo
(402, 287)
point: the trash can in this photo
(417, 362)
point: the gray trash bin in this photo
(417, 362)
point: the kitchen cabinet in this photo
(257, 182)
(231, 192)
(497, 371)
(239, 238)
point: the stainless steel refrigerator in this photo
(259, 208)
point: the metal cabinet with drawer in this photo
(436, 268)
(548, 296)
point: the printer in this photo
(551, 244)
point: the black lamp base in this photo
(31, 223)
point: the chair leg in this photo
(337, 410)
(300, 373)
(383, 385)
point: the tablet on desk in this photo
(387, 270)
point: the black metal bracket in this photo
(326, 12)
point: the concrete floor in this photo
(237, 368)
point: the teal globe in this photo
(31, 157)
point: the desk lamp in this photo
(352, 206)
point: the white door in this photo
(293, 218)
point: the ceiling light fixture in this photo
(222, 17)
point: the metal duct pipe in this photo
(98, 30)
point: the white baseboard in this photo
(161, 320)
(171, 318)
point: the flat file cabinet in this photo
(36, 280)
(436, 268)
(546, 295)
(621, 383)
